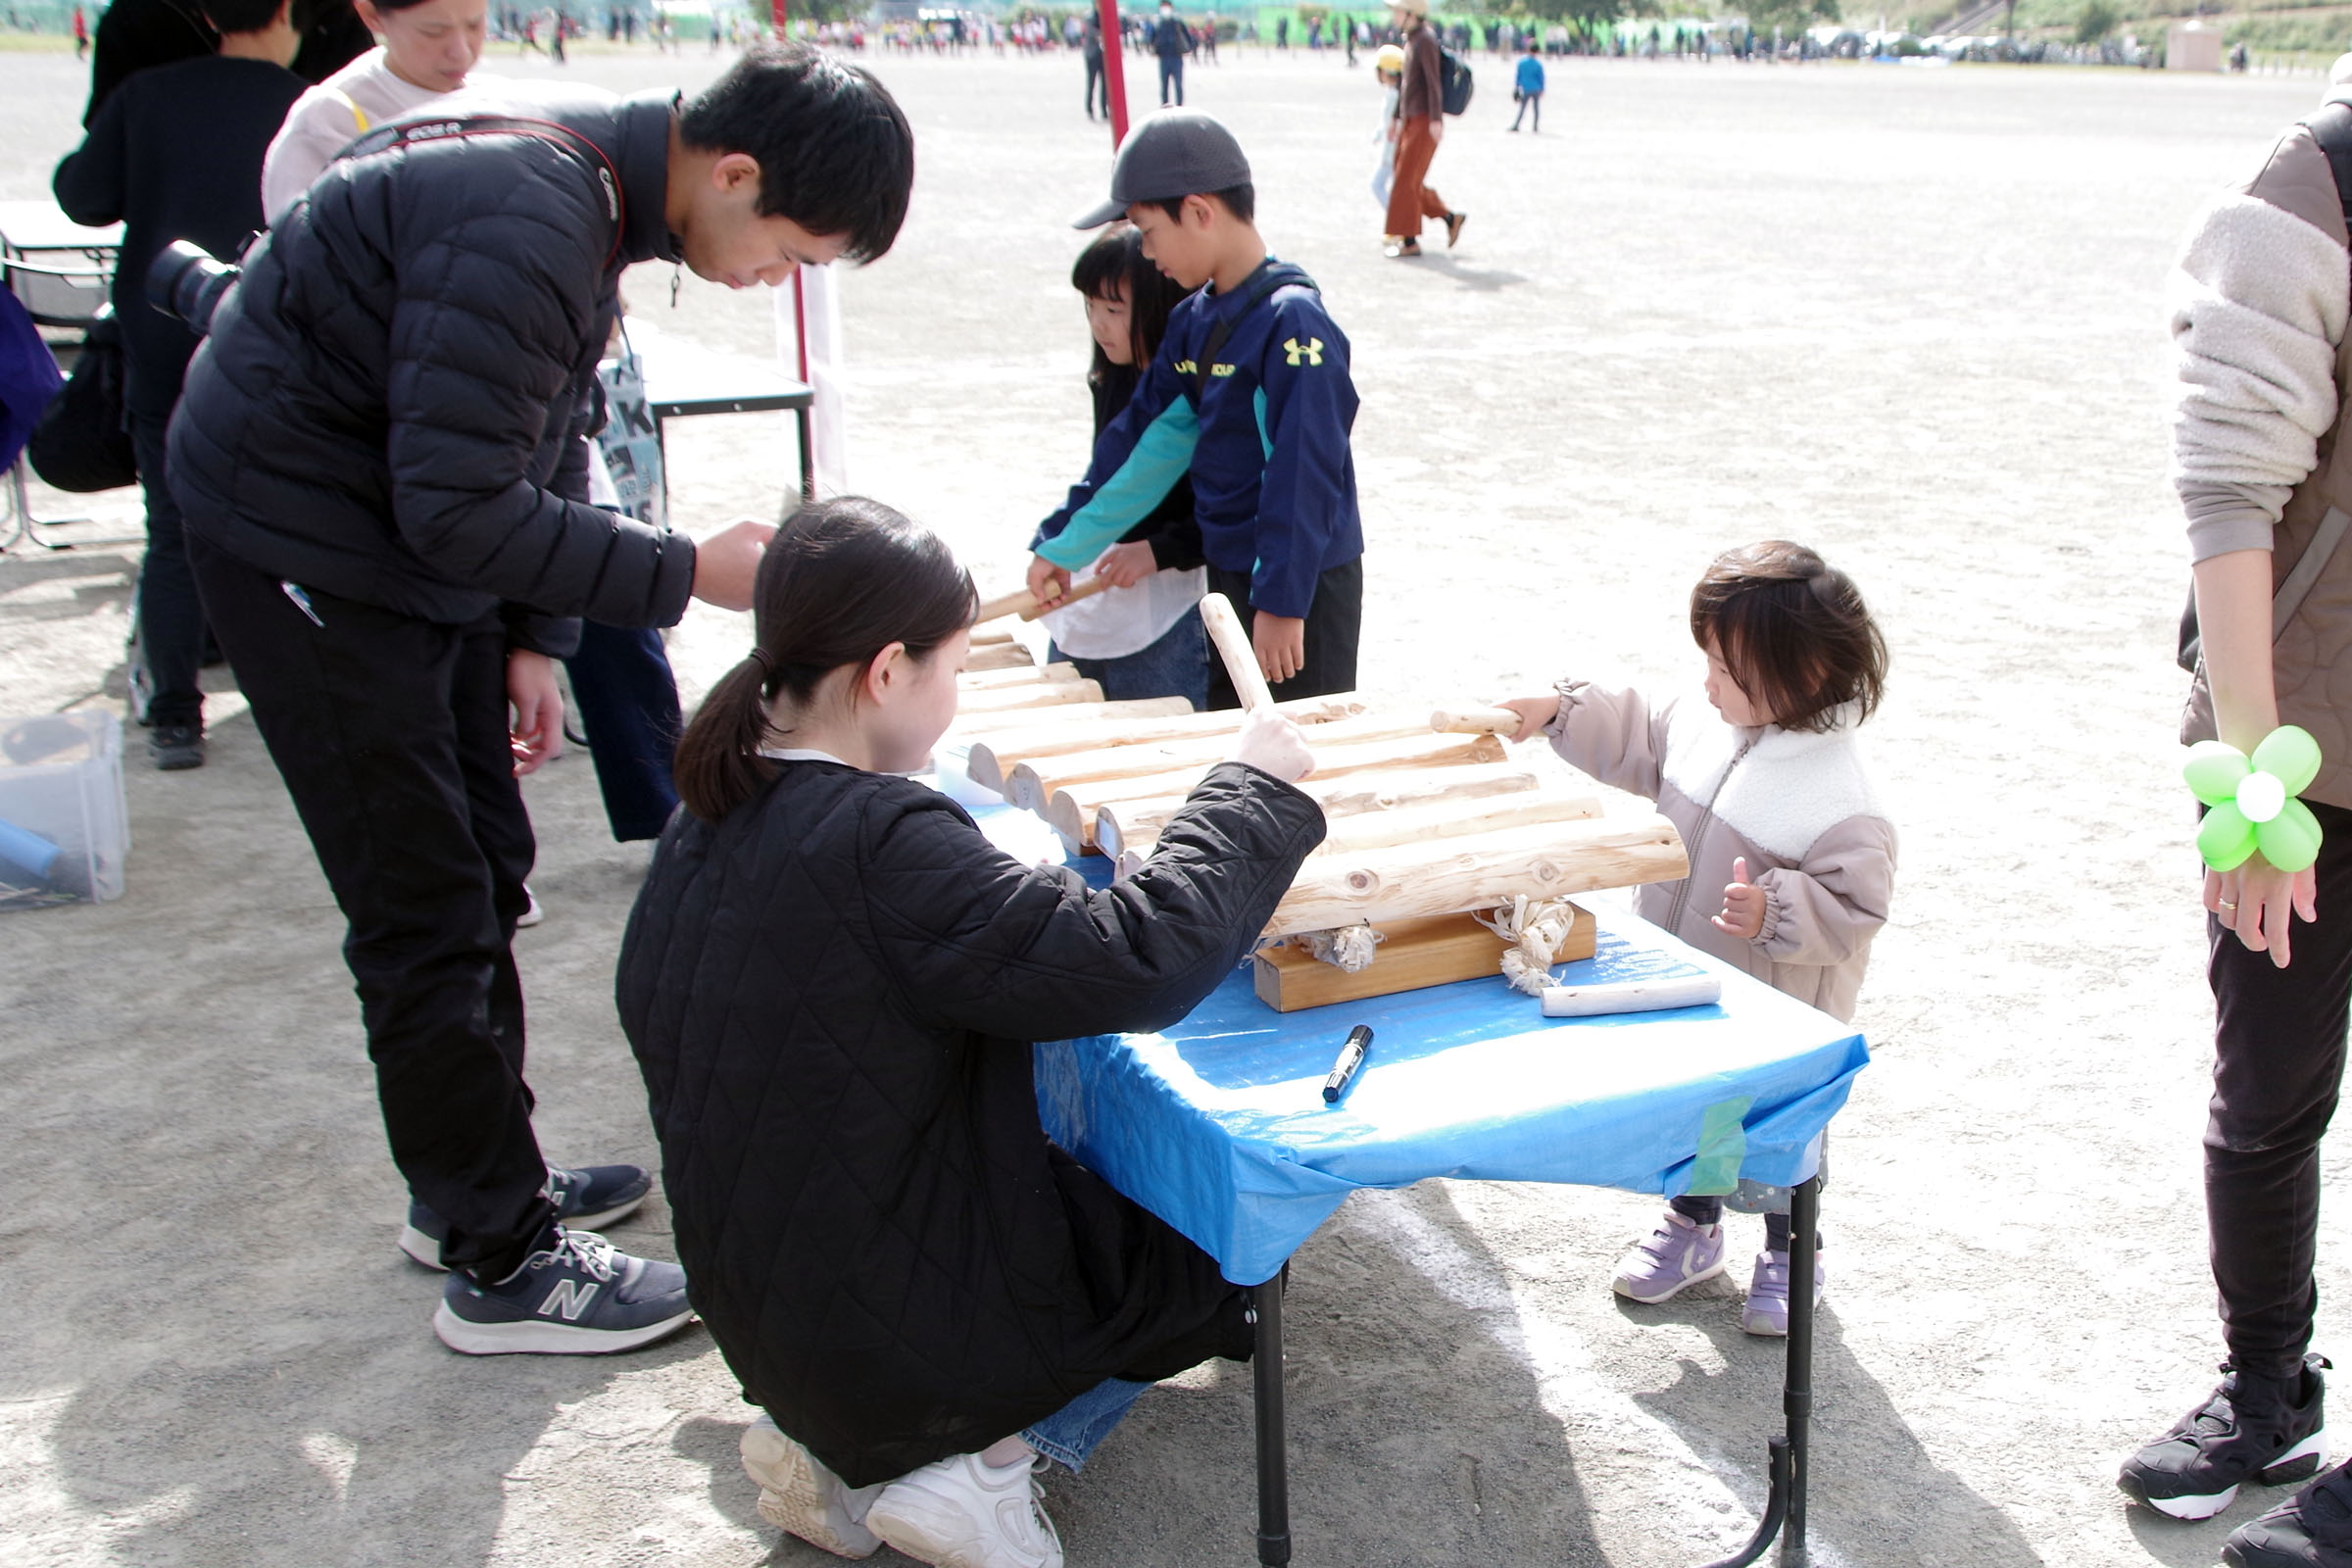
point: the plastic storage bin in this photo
(65, 826)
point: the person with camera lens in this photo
(376, 452)
(140, 166)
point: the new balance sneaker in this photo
(799, 1495)
(580, 1296)
(1676, 1256)
(2313, 1529)
(1767, 1309)
(962, 1514)
(590, 1198)
(2250, 1428)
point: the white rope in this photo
(1349, 950)
(1537, 929)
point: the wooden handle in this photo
(1085, 590)
(1475, 722)
(1233, 647)
(1002, 605)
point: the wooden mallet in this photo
(1475, 722)
(1233, 647)
(1024, 604)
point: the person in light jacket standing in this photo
(1421, 123)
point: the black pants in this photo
(1097, 86)
(1171, 71)
(1529, 101)
(2279, 1063)
(1335, 624)
(170, 617)
(391, 735)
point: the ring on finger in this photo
(2226, 905)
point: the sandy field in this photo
(1910, 316)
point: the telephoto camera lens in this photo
(186, 281)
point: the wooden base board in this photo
(1433, 952)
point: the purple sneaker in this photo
(1678, 1253)
(1767, 1309)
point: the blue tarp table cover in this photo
(1218, 1125)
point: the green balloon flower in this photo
(2253, 800)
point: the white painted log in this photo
(992, 680)
(1137, 825)
(1051, 736)
(1030, 782)
(1453, 820)
(1037, 694)
(1234, 647)
(972, 724)
(1072, 810)
(1631, 995)
(1448, 876)
(1475, 722)
(997, 656)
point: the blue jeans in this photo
(1176, 665)
(1071, 1433)
(629, 703)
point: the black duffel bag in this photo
(83, 442)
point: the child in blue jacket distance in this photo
(1529, 89)
(1249, 395)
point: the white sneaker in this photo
(962, 1514)
(799, 1494)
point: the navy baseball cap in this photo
(1177, 151)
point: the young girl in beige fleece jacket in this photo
(1769, 791)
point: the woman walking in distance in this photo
(1421, 120)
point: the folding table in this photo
(1217, 1125)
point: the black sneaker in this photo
(176, 746)
(2251, 1428)
(2313, 1529)
(581, 1296)
(590, 1198)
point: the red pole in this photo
(775, 13)
(1114, 68)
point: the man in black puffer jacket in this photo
(373, 454)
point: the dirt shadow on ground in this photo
(1475, 279)
(102, 579)
(1876, 1495)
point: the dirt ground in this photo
(1910, 316)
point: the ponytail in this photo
(842, 580)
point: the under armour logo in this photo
(1311, 352)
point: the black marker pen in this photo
(1352, 1056)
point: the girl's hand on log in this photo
(1125, 566)
(1047, 581)
(1742, 913)
(2259, 902)
(1533, 714)
(1270, 743)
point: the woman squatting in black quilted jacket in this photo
(832, 981)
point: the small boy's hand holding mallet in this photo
(1742, 913)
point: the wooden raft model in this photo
(1442, 855)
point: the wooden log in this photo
(971, 725)
(1234, 647)
(992, 680)
(997, 656)
(1030, 783)
(1072, 810)
(1136, 824)
(1052, 737)
(1022, 602)
(1412, 955)
(1037, 694)
(1475, 722)
(1453, 820)
(1480, 872)
(985, 636)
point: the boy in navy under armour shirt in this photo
(1248, 395)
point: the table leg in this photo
(807, 455)
(1787, 1451)
(1273, 1460)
